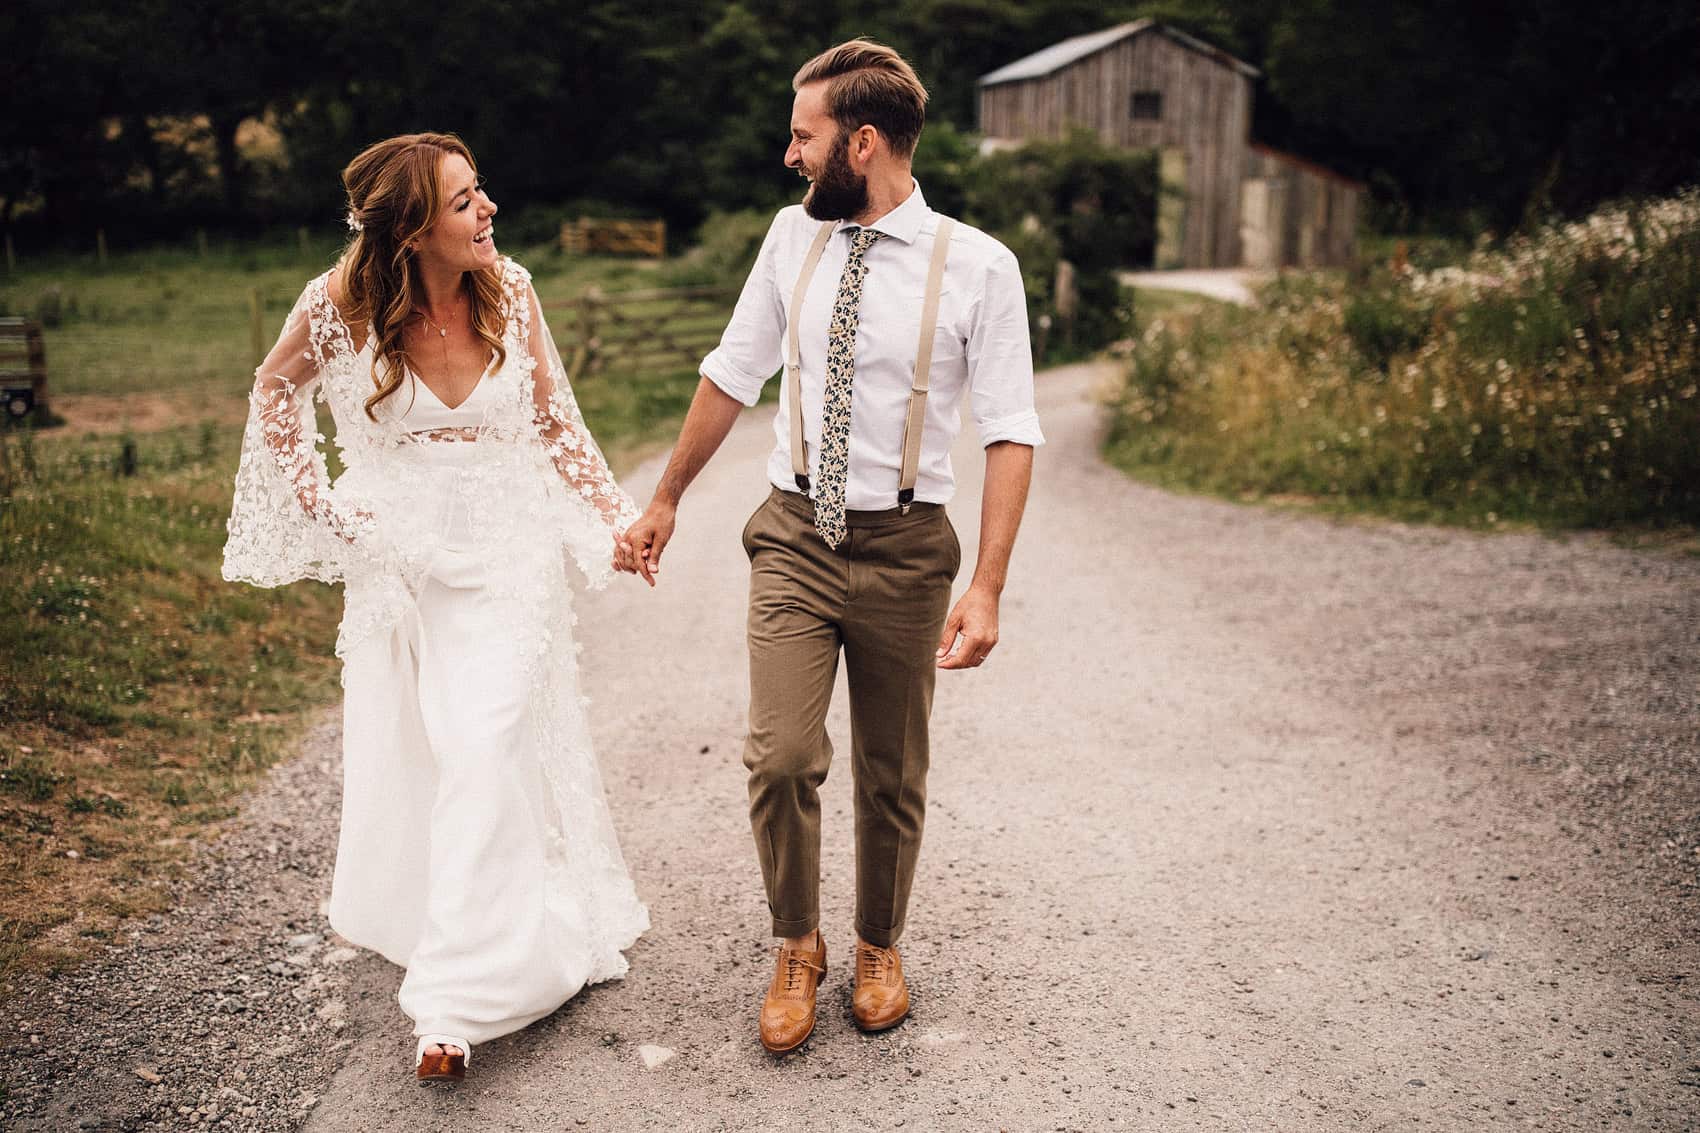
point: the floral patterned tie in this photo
(834, 470)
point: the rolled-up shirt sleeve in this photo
(751, 349)
(1000, 359)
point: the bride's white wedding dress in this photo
(476, 847)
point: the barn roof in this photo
(1302, 163)
(1059, 55)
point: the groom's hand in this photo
(971, 631)
(639, 551)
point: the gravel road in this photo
(1255, 820)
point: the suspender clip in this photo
(905, 497)
(803, 482)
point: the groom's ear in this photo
(864, 143)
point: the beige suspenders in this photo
(914, 423)
(793, 362)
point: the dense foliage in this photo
(1078, 200)
(1553, 380)
(168, 115)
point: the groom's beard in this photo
(837, 193)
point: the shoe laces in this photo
(794, 961)
(873, 962)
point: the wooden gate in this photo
(666, 329)
(23, 371)
(614, 237)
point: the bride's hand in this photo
(625, 554)
(638, 550)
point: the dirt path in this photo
(1254, 821)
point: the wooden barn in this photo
(1145, 85)
(1294, 213)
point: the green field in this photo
(169, 320)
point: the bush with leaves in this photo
(1555, 379)
(1094, 204)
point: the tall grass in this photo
(1552, 380)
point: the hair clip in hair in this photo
(353, 222)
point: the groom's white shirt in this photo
(981, 346)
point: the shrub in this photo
(1554, 379)
(1095, 204)
(726, 247)
(1384, 322)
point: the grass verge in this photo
(141, 691)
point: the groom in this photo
(863, 291)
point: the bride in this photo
(476, 847)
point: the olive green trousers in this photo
(881, 598)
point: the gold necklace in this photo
(443, 328)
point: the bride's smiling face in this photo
(462, 237)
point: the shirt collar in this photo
(903, 222)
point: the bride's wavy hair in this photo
(394, 196)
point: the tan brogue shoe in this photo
(881, 998)
(788, 1013)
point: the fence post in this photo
(256, 326)
(1066, 301)
(306, 243)
(592, 298)
(11, 256)
(35, 347)
(100, 245)
(201, 242)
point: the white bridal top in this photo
(425, 411)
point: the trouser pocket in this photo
(749, 527)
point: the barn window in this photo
(1147, 105)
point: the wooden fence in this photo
(614, 237)
(665, 329)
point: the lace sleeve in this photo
(283, 524)
(565, 437)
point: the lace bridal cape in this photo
(534, 490)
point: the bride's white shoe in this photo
(443, 1066)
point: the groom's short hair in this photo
(870, 85)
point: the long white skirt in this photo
(476, 847)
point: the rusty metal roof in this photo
(1059, 55)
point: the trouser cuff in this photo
(878, 937)
(799, 926)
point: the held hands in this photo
(970, 633)
(638, 549)
(975, 619)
